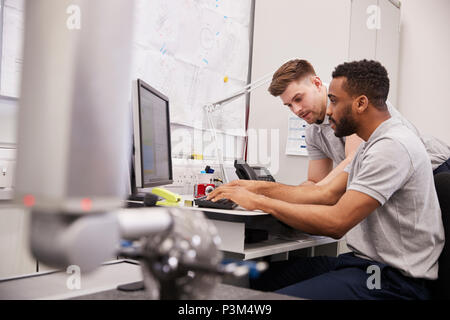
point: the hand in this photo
(239, 195)
(250, 185)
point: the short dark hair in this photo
(365, 77)
(292, 70)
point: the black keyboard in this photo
(134, 204)
(219, 204)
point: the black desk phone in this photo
(244, 171)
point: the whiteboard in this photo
(193, 51)
(11, 47)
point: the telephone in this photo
(244, 171)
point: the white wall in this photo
(314, 30)
(424, 70)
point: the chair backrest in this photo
(441, 288)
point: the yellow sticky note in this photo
(225, 79)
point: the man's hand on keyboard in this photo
(250, 185)
(239, 195)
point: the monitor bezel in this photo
(138, 156)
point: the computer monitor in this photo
(151, 159)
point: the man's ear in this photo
(360, 104)
(316, 81)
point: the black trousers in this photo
(346, 277)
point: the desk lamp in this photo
(212, 107)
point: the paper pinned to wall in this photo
(195, 52)
(12, 48)
(296, 137)
(15, 4)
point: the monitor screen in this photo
(152, 146)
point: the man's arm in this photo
(325, 195)
(333, 213)
(333, 221)
(351, 146)
(318, 170)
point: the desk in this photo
(231, 225)
(102, 283)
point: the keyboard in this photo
(219, 204)
(134, 204)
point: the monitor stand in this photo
(137, 196)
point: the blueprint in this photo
(12, 47)
(195, 52)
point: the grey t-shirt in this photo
(406, 231)
(437, 150)
(321, 142)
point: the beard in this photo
(346, 126)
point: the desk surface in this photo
(235, 212)
(102, 283)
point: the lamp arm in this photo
(211, 107)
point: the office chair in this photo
(440, 289)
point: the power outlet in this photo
(6, 173)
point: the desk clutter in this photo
(190, 181)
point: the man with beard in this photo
(384, 203)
